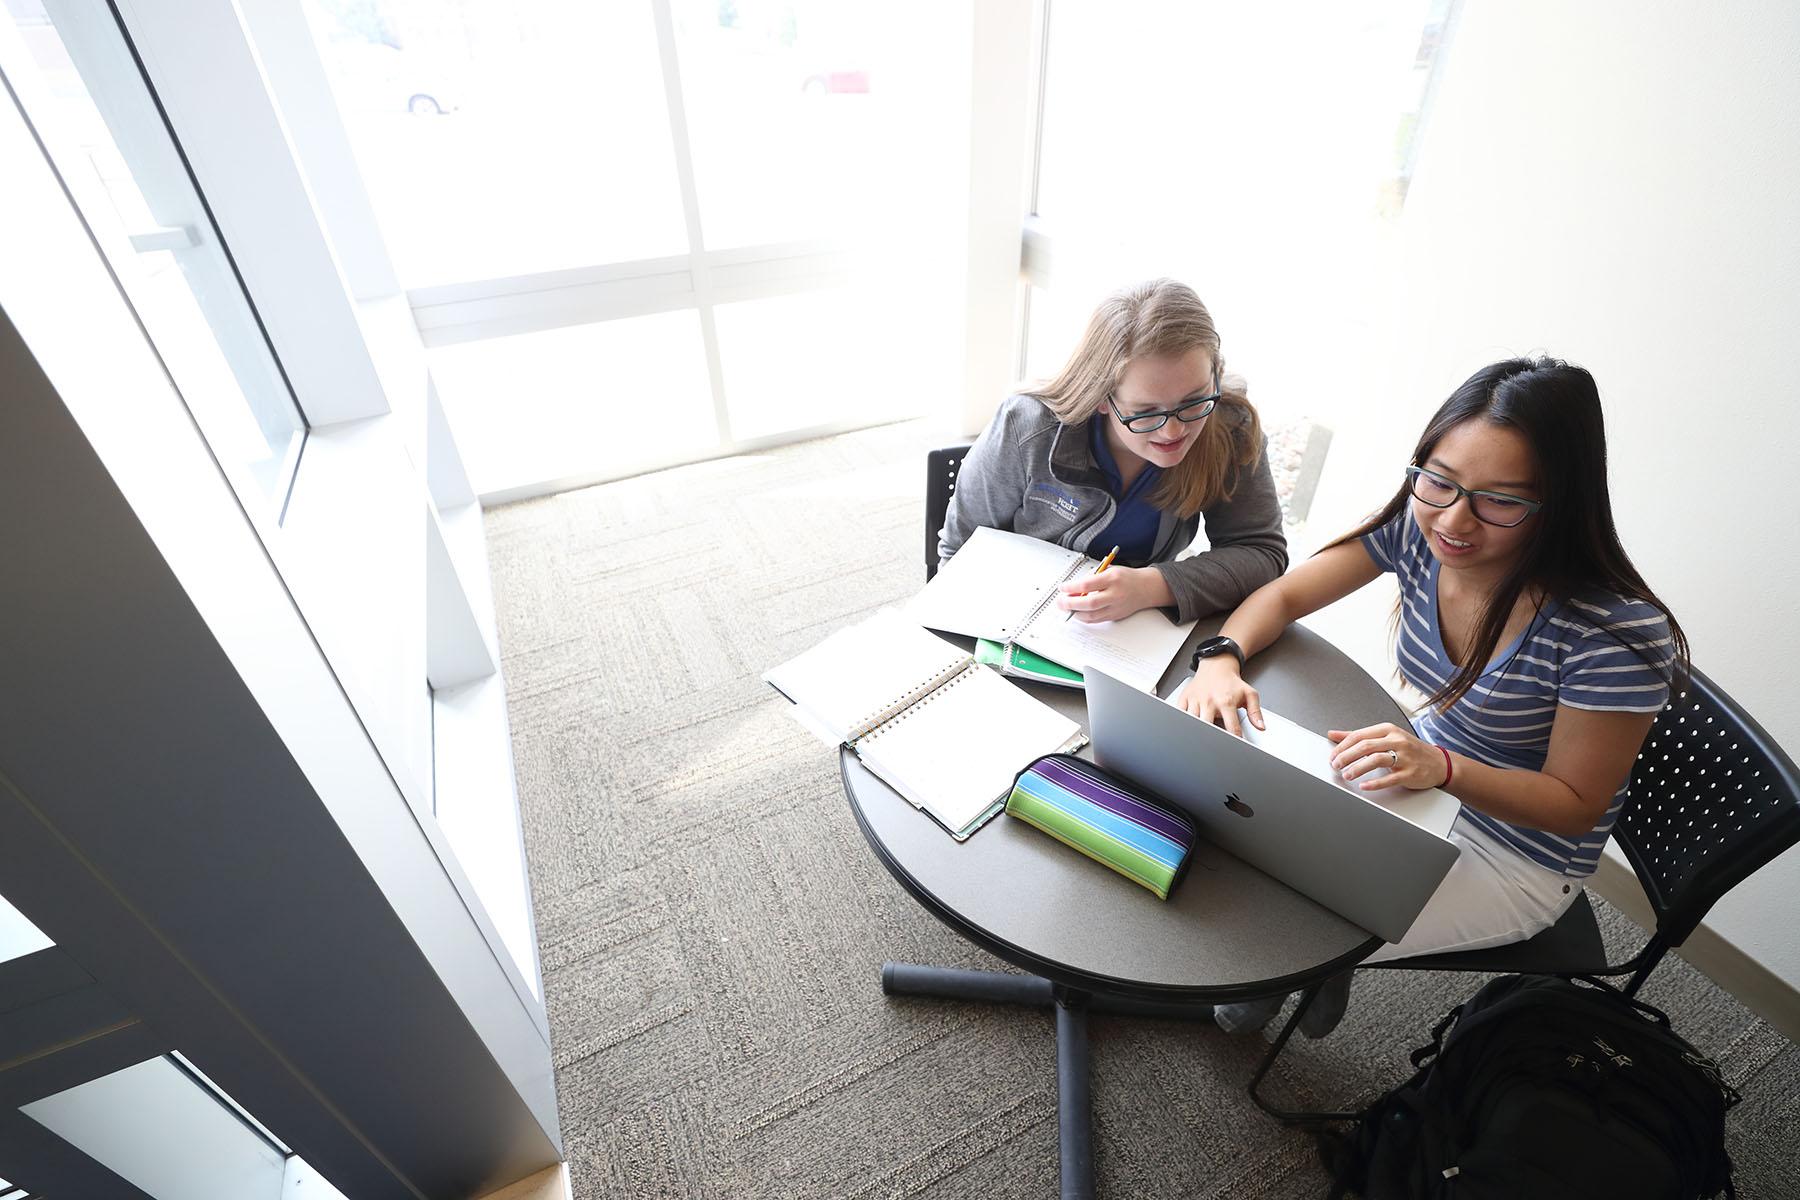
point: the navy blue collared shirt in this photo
(1134, 525)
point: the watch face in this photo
(1213, 645)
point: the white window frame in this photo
(1004, 37)
(119, 94)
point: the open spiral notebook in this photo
(945, 732)
(1002, 587)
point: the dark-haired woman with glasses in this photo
(1543, 655)
(1140, 437)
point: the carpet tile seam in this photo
(699, 778)
(1037, 1110)
(654, 1019)
(850, 1073)
(552, 961)
(1768, 1052)
(1294, 1158)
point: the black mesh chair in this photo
(1712, 799)
(941, 467)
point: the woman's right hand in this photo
(1217, 691)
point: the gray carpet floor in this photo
(712, 922)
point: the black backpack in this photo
(1544, 1088)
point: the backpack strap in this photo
(1648, 1010)
(1425, 1053)
(1704, 1065)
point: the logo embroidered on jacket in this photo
(1066, 505)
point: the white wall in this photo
(1615, 182)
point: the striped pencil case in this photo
(1111, 821)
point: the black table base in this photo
(1074, 1102)
(1231, 934)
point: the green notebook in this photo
(1016, 660)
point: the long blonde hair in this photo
(1161, 318)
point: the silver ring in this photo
(1395, 755)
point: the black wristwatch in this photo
(1214, 646)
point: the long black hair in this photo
(1573, 547)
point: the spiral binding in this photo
(1048, 596)
(942, 684)
(899, 707)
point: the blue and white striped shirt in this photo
(1575, 652)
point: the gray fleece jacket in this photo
(1031, 474)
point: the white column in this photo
(290, 59)
(1006, 35)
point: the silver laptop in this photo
(1272, 799)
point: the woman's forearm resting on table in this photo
(1217, 579)
(1534, 799)
(1218, 691)
(1259, 620)
(1590, 756)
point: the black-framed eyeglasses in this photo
(1187, 412)
(1495, 508)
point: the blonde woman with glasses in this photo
(1139, 438)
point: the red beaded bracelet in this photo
(1447, 770)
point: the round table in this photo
(1092, 939)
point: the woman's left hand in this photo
(1114, 593)
(1410, 762)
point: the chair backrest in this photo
(1713, 798)
(941, 467)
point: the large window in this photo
(644, 233)
(502, 139)
(560, 403)
(1257, 152)
(786, 104)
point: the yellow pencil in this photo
(1104, 563)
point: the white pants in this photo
(1492, 896)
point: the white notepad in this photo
(945, 732)
(1001, 586)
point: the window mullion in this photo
(698, 266)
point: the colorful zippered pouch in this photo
(1112, 821)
